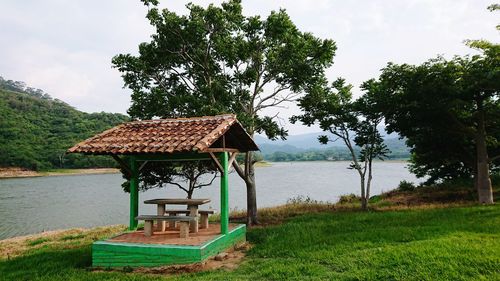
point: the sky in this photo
(65, 47)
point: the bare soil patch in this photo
(25, 173)
(232, 259)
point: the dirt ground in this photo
(229, 260)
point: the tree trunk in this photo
(364, 202)
(484, 188)
(368, 182)
(251, 190)
(190, 189)
(474, 174)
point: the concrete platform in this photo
(164, 248)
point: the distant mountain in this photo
(304, 144)
(36, 130)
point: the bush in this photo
(375, 199)
(302, 200)
(349, 198)
(406, 186)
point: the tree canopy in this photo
(352, 122)
(217, 60)
(448, 110)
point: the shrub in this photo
(406, 186)
(302, 200)
(349, 198)
(375, 199)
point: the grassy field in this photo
(422, 244)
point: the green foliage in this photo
(36, 130)
(331, 154)
(406, 186)
(437, 107)
(185, 175)
(72, 237)
(216, 60)
(429, 244)
(349, 199)
(353, 122)
(37, 241)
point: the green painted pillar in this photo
(134, 193)
(224, 196)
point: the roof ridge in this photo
(187, 119)
(211, 137)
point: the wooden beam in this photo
(216, 160)
(122, 164)
(221, 150)
(232, 159)
(173, 157)
(143, 165)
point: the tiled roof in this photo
(169, 136)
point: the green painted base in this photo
(118, 254)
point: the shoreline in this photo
(11, 173)
(15, 172)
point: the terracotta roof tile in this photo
(167, 136)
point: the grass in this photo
(457, 192)
(459, 243)
(37, 241)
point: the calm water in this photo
(32, 205)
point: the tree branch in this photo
(238, 169)
(491, 159)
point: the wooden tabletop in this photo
(177, 201)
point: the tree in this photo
(187, 176)
(354, 122)
(448, 110)
(216, 60)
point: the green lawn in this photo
(425, 244)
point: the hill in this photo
(306, 147)
(36, 130)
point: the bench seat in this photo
(184, 223)
(165, 218)
(203, 213)
(210, 212)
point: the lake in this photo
(32, 205)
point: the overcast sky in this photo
(65, 47)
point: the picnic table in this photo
(192, 205)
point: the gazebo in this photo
(134, 144)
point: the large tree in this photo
(216, 60)
(448, 110)
(352, 122)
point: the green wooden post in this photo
(224, 196)
(134, 193)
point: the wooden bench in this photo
(183, 220)
(203, 213)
